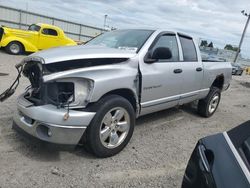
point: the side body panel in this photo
(222, 167)
(162, 88)
(214, 69)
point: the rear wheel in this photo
(112, 127)
(14, 48)
(208, 105)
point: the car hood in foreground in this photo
(81, 52)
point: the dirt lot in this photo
(155, 157)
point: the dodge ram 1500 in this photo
(94, 92)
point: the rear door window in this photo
(188, 48)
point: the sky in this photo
(219, 21)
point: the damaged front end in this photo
(64, 92)
(50, 110)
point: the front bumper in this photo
(47, 123)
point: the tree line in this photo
(204, 43)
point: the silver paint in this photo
(172, 89)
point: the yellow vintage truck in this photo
(37, 37)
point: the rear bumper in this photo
(46, 122)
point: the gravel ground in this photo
(155, 157)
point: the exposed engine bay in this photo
(39, 93)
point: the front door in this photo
(161, 80)
(48, 38)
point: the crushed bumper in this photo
(46, 122)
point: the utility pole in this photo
(105, 20)
(243, 34)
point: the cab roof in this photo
(48, 25)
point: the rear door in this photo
(192, 70)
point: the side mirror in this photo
(162, 53)
(158, 53)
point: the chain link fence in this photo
(22, 19)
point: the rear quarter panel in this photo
(214, 69)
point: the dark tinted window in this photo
(188, 48)
(49, 32)
(168, 41)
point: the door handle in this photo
(204, 161)
(198, 69)
(177, 71)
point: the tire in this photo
(103, 126)
(241, 73)
(14, 48)
(208, 105)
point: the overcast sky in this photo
(219, 21)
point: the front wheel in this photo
(112, 127)
(208, 106)
(14, 48)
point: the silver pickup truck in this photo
(94, 92)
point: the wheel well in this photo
(23, 48)
(219, 82)
(126, 93)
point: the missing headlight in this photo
(71, 93)
(60, 93)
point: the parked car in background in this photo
(37, 37)
(94, 92)
(221, 161)
(237, 69)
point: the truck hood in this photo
(81, 52)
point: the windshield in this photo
(122, 39)
(34, 27)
